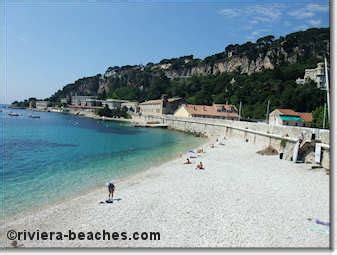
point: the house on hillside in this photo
(316, 74)
(219, 111)
(288, 117)
(161, 106)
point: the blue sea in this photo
(58, 156)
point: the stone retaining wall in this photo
(258, 133)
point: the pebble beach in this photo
(241, 199)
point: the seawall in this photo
(282, 138)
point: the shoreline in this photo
(239, 194)
(32, 211)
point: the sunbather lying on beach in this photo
(188, 161)
(200, 166)
(212, 145)
(200, 150)
(111, 189)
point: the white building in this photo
(41, 105)
(219, 111)
(113, 103)
(316, 74)
(288, 117)
(160, 106)
(80, 100)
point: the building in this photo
(219, 111)
(132, 107)
(91, 102)
(113, 103)
(41, 105)
(80, 100)
(65, 100)
(160, 106)
(88, 103)
(288, 117)
(317, 75)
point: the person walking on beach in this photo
(111, 189)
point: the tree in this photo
(105, 111)
(114, 113)
(102, 95)
(219, 99)
(318, 116)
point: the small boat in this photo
(13, 114)
(34, 116)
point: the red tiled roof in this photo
(287, 112)
(306, 116)
(212, 111)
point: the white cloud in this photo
(301, 14)
(318, 7)
(257, 33)
(302, 27)
(259, 19)
(308, 11)
(271, 12)
(256, 13)
(231, 13)
(315, 22)
(260, 31)
(253, 22)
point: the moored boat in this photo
(13, 114)
(34, 116)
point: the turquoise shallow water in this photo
(57, 156)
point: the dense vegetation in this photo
(115, 113)
(253, 91)
(318, 118)
(23, 104)
(20, 104)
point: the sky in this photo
(46, 45)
